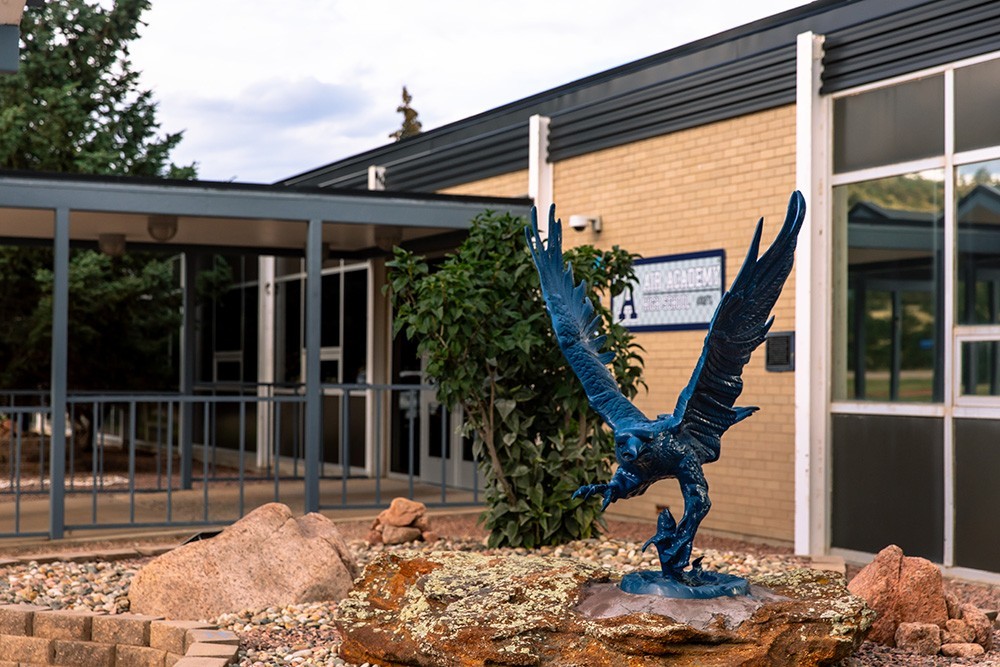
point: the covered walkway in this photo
(205, 217)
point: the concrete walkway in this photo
(121, 514)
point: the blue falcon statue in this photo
(677, 444)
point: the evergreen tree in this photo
(75, 106)
(411, 126)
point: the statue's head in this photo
(632, 442)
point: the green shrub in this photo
(480, 321)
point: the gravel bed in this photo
(305, 634)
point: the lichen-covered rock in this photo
(455, 608)
(268, 558)
(901, 590)
(919, 638)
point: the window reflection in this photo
(888, 275)
(977, 189)
(887, 125)
(981, 368)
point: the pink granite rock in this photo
(957, 632)
(962, 650)
(919, 638)
(954, 606)
(399, 534)
(402, 512)
(901, 590)
(980, 624)
(267, 558)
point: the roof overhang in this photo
(234, 217)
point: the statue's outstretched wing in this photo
(576, 327)
(706, 406)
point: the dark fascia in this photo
(233, 186)
(777, 31)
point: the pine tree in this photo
(75, 106)
(411, 126)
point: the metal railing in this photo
(161, 460)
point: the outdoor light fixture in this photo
(112, 245)
(161, 227)
(580, 222)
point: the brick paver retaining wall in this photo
(33, 636)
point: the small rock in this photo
(962, 650)
(402, 512)
(430, 536)
(399, 534)
(980, 624)
(901, 590)
(919, 638)
(958, 632)
(954, 605)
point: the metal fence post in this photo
(314, 405)
(186, 406)
(60, 354)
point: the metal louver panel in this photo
(751, 84)
(924, 36)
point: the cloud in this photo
(263, 94)
(271, 129)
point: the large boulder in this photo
(900, 589)
(468, 609)
(267, 558)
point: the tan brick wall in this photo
(514, 184)
(694, 190)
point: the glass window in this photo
(229, 320)
(355, 326)
(888, 484)
(330, 329)
(977, 98)
(977, 458)
(977, 191)
(889, 274)
(888, 125)
(289, 334)
(980, 368)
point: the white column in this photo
(265, 356)
(812, 304)
(376, 177)
(540, 169)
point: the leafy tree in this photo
(75, 106)
(480, 320)
(411, 126)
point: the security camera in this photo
(580, 222)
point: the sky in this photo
(264, 90)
